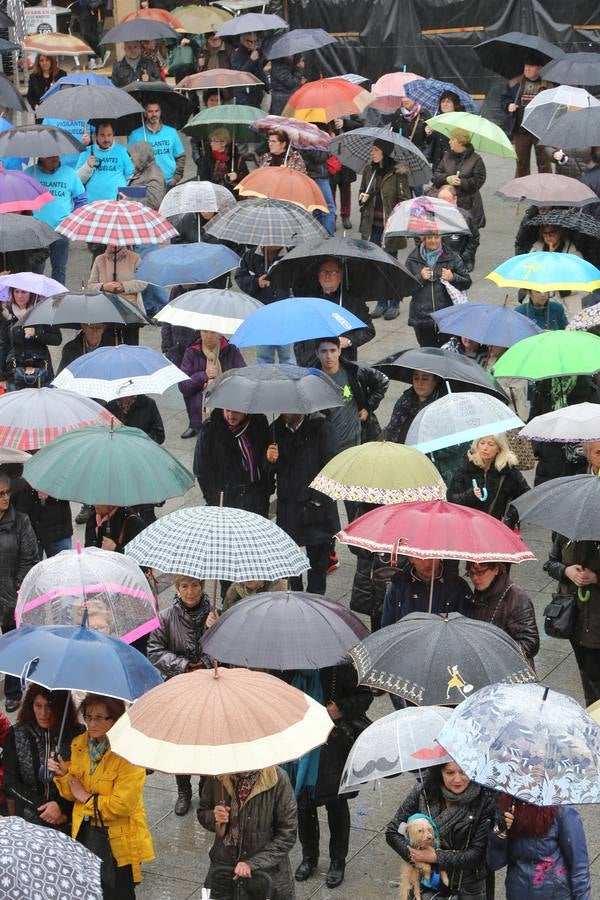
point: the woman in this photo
(424, 390)
(488, 479)
(147, 174)
(287, 75)
(384, 184)
(463, 812)
(112, 273)
(546, 313)
(29, 746)
(436, 144)
(221, 164)
(44, 74)
(464, 346)
(543, 849)
(410, 121)
(215, 54)
(280, 153)
(205, 359)
(253, 817)
(345, 177)
(241, 590)
(24, 356)
(95, 777)
(112, 527)
(553, 239)
(464, 169)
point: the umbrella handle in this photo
(583, 596)
(484, 492)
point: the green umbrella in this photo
(112, 466)
(485, 136)
(236, 119)
(550, 355)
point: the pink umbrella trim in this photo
(82, 590)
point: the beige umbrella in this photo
(56, 44)
(216, 722)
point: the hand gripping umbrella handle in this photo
(584, 596)
(484, 492)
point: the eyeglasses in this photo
(216, 141)
(329, 272)
(5, 493)
(479, 569)
(98, 718)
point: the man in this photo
(169, 152)
(248, 58)
(409, 590)
(330, 276)
(69, 193)
(89, 338)
(134, 67)
(464, 244)
(105, 166)
(517, 96)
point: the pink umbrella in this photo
(21, 193)
(389, 90)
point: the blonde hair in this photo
(505, 457)
(179, 578)
(221, 134)
(463, 137)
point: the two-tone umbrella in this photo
(354, 150)
(21, 193)
(568, 505)
(486, 324)
(37, 140)
(457, 418)
(295, 319)
(506, 54)
(195, 197)
(573, 68)
(571, 424)
(211, 309)
(33, 417)
(283, 183)
(273, 389)
(118, 222)
(546, 272)
(485, 136)
(545, 189)
(112, 372)
(198, 263)
(550, 105)
(74, 308)
(326, 99)
(551, 355)
(464, 374)
(270, 223)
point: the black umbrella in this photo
(462, 373)
(570, 219)
(38, 140)
(88, 101)
(508, 53)
(433, 660)
(174, 107)
(5, 20)
(274, 389)
(24, 233)
(574, 68)
(577, 129)
(369, 271)
(10, 98)
(90, 307)
(139, 30)
(570, 506)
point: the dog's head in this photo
(420, 833)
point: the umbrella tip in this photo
(78, 547)
(216, 669)
(545, 694)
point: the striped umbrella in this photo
(31, 418)
(120, 222)
(270, 223)
(427, 92)
(56, 44)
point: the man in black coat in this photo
(90, 338)
(248, 58)
(140, 412)
(465, 245)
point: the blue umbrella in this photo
(427, 92)
(77, 78)
(295, 319)
(495, 325)
(60, 657)
(197, 263)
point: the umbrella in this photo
(283, 183)
(299, 40)
(251, 22)
(435, 529)
(138, 30)
(547, 271)
(550, 355)
(220, 79)
(88, 101)
(101, 464)
(232, 720)
(200, 19)
(32, 282)
(10, 455)
(118, 222)
(187, 264)
(587, 319)
(218, 542)
(327, 99)
(211, 309)
(54, 43)
(24, 233)
(10, 98)
(573, 68)
(549, 105)
(457, 418)
(498, 326)
(572, 424)
(75, 79)
(485, 135)
(111, 587)
(274, 389)
(124, 371)
(38, 140)
(570, 219)
(236, 118)
(284, 630)
(567, 505)
(463, 373)
(174, 107)
(354, 150)
(368, 270)
(508, 53)
(438, 660)
(36, 859)
(295, 319)
(425, 215)
(71, 309)
(427, 92)
(268, 223)
(402, 741)
(5, 20)
(525, 740)
(390, 89)
(196, 197)
(380, 472)
(157, 15)
(576, 129)
(545, 189)
(302, 135)
(33, 419)
(21, 193)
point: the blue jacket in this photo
(555, 866)
(407, 594)
(551, 316)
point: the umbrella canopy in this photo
(354, 150)
(567, 505)
(550, 355)
(569, 219)
(274, 389)
(33, 419)
(6, 20)
(302, 135)
(283, 183)
(88, 101)
(124, 371)
(457, 418)
(21, 193)
(547, 271)
(36, 858)
(37, 140)
(236, 119)
(402, 741)
(435, 529)
(327, 99)
(109, 586)
(9, 455)
(548, 106)
(158, 15)
(196, 197)
(24, 233)
(587, 319)
(270, 223)
(212, 309)
(580, 422)
(525, 740)
(425, 215)
(389, 90)
(251, 22)
(187, 264)
(485, 135)
(54, 43)
(284, 630)
(232, 720)
(463, 373)
(508, 53)
(427, 92)
(573, 68)
(10, 97)
(545, 189)
(200, 19)
(495, 325)
(74, 79)
(295, 319)
(138, 30)
(380, 472)
(174, 107)
(102, 465)
(218, 542)
(438, 660)
(120, 222)
(62, 658)
(219, 79)
(32, 282)
(575, 130)
(298, 40)
(75, 308)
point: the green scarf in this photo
(96, 750)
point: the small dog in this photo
(420, 835)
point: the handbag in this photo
(559, 616)
(456, 295)
(95, 838)
(522, 448)
(180, 56)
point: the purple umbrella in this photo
(35, 284)
(21, 193)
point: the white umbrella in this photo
(580, 422)
(196, 197)
(457, 418)
(221, 311)
(550, 104)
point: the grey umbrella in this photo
(251, 22)
(574, 68)
(354, 150)
(139, 30)
(268, 223)
(90, 307)
(88, 101)
(570, 506)
(274, 389)
(10, 98)
(577, 129)
(37, 140)
(24, 233)
(299, 40)
(463, 373)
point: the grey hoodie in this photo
(147, 174)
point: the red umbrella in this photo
(157, 15)
(120, 222)
(326, 99)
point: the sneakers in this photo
(392, 312)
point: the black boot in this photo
(305, 869)
(182, 804)
(335, 875)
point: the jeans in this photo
(59, 257)
(338, 818)
(51, 548)
(327, 219)
(153, 296)
(316, 578)
(265, 354)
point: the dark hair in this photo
(56, 700)
(105, 122)
(450, 95)
(280, 135)
(530, 821)
(115, 707)
(327, 340)
(206, 95)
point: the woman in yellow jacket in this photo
(94, 770)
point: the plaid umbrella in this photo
(120, 222)
(21, 193)
(55, 44)
(571, 219)
(302, 135)
(218, 542)
(427, 92)
(32, 419)
(220, 79)
(196, 197)
(268, 223)
(354, 150)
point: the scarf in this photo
(96, 750)
(411, 114)
(18, 313)
(220, 165)
(246, 451)
(449, 815)
(243, 786)
(430, 257)
(303, 772)
(560, 388)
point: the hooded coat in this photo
(470, 167)
(147, 174)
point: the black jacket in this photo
(16, 349)
(413, 129)
(502, 488)
(75, 348)
(38, 85)
(471, 169)
(316, 163)
(432, 295)
(507, 606)
(566, 553)
(465, 245)
(18, 554)
(252, 266)
(286, 78)
(143, 414)
(50, 518)
(249, 96)
(368, 387)
(123, 74)
(122, 527)
(527, 234)
(176, 641)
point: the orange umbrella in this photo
(283, 183)
(55, 44)
(327, 99)
(158, 15)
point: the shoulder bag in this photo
(95, 837)
(559, 616)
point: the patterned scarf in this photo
(243, 786)
(412, 113)
(245, 448)
(96, 750)
(220, 165)
(303, 772)
(430, 257)
(560, 388)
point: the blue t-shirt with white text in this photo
(166, 144)
(113, 170)
(77, 128)
(64, 185)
